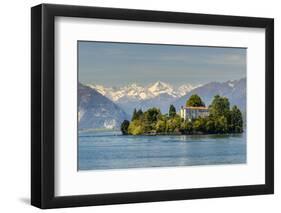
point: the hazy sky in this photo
(116, 64)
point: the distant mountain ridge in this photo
(95, 111)
(157, 94)
(234, 90)
(107, 107)
(138, 92)
(161, 94)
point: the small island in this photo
(192, 119)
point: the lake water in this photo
(111, 150)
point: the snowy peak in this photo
(101, 89)
(135, 91)
(161, 88)
(183, 89)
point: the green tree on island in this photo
(186, 127)
(195, 101)
(236, 120)
(161, 126)
(172, 111)
(124, 127)
(134, 116)
(139, 113)
(219, 106)
(221, 120)
(136, 127)
(173, 124)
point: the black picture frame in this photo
(43, 110)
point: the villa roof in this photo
(195, 107)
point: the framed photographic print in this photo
(139, 106)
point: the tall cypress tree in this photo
(236, 120)
(134, 116)
(139, 114)
(172, 111)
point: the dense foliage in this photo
(124, 127)
(195, 101)
(172, 111)
(221, 119)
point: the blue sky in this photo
(117, 64)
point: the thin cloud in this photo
(119, 63)
(227, 59)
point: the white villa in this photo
(188, 113)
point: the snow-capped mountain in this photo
(136, 92)
(184, 89)
(107, 107)
(158, 94)
(161, 88)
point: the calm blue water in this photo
(111, 150)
